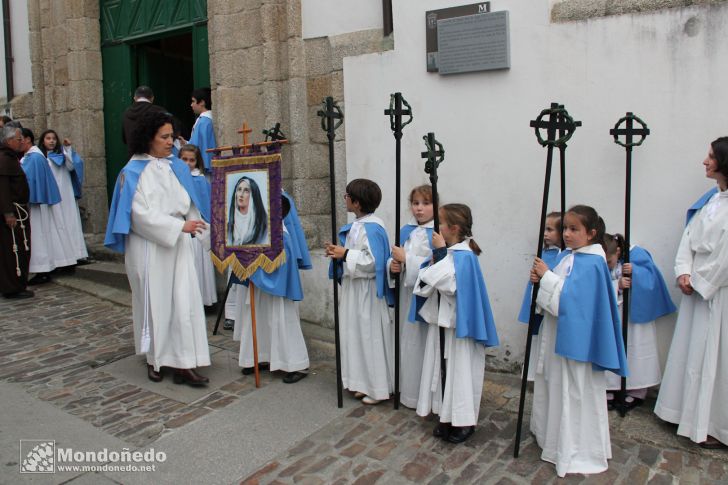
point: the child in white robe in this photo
(191, 155)
(406, 261)
(550, 254)
(456, 301)
(61, 163)
(580, 338)
(359, 263)
(278, 324)
(649, 300)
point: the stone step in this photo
(107, 273)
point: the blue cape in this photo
(474, 316)
(406, 230)
(589, 327)
(700, 203)
(649, 298)
(120, 211)
(203, 191)
(379, 245)
(42, 184)
(203, 136)
(77, 172)
(298, 238)
(284, 281)
(550, 256)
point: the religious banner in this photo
(247, 230)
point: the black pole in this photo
(332, 112)
(434, 158)
(625, 259)
(221, 310)
(558, 119)
(628, 132)
(395, 113)
(534, 294)
(562, 164)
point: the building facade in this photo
(270, 61)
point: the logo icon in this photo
(37, 456)
(432, 20)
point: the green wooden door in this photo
(131, 31)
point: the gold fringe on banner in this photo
(243, 272)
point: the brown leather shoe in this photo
(189, 376)
(153, 375)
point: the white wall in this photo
(599, 69)
(332, 17)
(20, 37)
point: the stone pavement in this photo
(66, 358)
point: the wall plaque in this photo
(478, 42)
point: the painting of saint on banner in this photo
(247, 227)
(248, 208)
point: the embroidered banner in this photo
(247, 230)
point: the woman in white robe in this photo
(694, 389)
(169, 319)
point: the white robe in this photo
(203, 266)
(464, 357)
(50, 249)
(366, 330)
(161, 270)
(643, 359)
(413, 336)
(69, 223)
(278, 331)
(694, 390)
(569, 415)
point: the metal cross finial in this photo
(435, 155)
(331, 116)
(629, 131)
(558, 119)
(396, 101)
(274, 133)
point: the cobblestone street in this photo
(74, 351)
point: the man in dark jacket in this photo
(142, 106)
(15, 225)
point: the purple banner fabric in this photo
(247, 228)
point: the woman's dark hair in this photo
(366, 192)
(261, 217)
(42, 147)
(591, 221)
(460, 215)
(200, 164)
(203, 94)
(146, 129)
(720, 151)
(614, 243)
(424, 190)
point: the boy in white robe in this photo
(359, 263)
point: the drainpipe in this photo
(8, 55)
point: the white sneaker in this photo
(369, 400)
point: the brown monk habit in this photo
(13, 190)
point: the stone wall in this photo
(573, 10)
(263, 72)
(67, 91)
